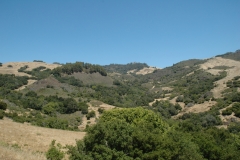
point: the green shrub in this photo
(90, 115)
(3, 105)
(100, 110)
(1, 114)
(83, 107)
(234, 128)
(54, 152)
(227, 112)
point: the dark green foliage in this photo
(235, 97)
(116, 82)
(226, 112)
(10, 66)
(139, 134)
(39, 68)
(221, 67)
(90, 115)
(196, 87)
(166, 108)
(231, 55)
(56, 120)
(1, 114)
(234, 83)
(56, 63)
(234, 127)
(130, 94)
(83, 107)
(31, 94)
(3, 105)
(192, 121)
(54, 152)
(235, 108)
(176, 71)
(100, 110)
(123, 69)
(0, 64)
(53, 122)
(33, 102)
(49, 86)
(179, 145)
(64, 105)
(12, 82)
(70, 80)
(39, 72)
(22, 69)
(37, 61)
(51, 106)
(70, 68)
(216, 144)
(122, 133)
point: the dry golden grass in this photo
(146, 70)
(197, 108)
(17, 65)
(12, 153)
(31, 139)
(231, 72)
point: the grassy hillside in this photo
(192, 98)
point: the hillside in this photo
(13, 67)
(63, 102)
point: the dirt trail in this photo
(231, 72)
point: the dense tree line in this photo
(70, 80)
(11, 82)
(130, 94)
(141, 134)
(70, 68)
(165, 108)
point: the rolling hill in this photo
(204, 93)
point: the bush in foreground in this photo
(134, 133)
(54, 152)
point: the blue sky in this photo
(157, 32)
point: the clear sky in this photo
(156, 32)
